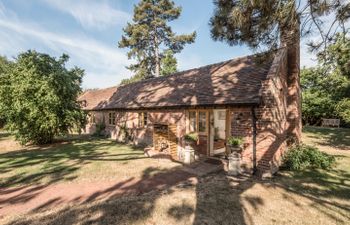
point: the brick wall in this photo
(272, 115)
(241, 125)
(130, 121)
(272, 125)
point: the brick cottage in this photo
(240, 97)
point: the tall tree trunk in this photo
(156, 53)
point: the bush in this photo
(300, 157)
(100, 129)
(235, 141)
(191, 137)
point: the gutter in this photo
(218, 106)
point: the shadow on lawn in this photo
(4, 135)
(336, 137)
(43, 166)
(219, 199)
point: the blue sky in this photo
(89, 31)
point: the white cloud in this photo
(91, 14)
(104, 65)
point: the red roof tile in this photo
(233, 82)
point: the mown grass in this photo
(71, 160)
(308, 197)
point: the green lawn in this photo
(338, 138)
(309, 197)
(71, 160)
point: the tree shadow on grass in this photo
(219, 199)
(4, 135)
(26, 172)
(335, 137)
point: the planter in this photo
(189, 156)
(234, 164)
(235, 149)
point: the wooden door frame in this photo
(207, 130)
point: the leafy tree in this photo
(41, 98)
(136, 77)
(326, 87)
(5, 66)
(260, 24)
(148, 36)
(337, 55)
(343, 109)
(169, 63)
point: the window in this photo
(143, 119)
(92, 118)
(197, 121)
(111, 118)
(202, 121)
(193, 121)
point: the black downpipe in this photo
(254, 140)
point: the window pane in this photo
(140, 119)
(145, 119)
(193, 123)
(202, 121)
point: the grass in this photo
(71, 160)
(308, 197)
(327, 138)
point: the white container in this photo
(189, 155)
(234, 164)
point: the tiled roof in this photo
(96, 98)
(233, 82)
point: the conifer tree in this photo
(259, 23)
(148, 36)
(169, 63)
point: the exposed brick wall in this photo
(241, 125)
(272, 116)
(294, 92)
(130, 121)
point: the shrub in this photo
(100, 129)
(191, 137)
(235, 141)
(302, 156)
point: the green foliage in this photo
(191, 137)
(169, 63)
(300, 157)
(4, 67)
(100, 129)
(235, 141)
(133, 79)
(39, 98)
(343, 109)
(326, 87)
(148, 37)
(336, 57)
(259, 24)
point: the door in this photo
(219, 132)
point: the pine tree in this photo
(169, 63)
(148, 36)
(259, 23)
